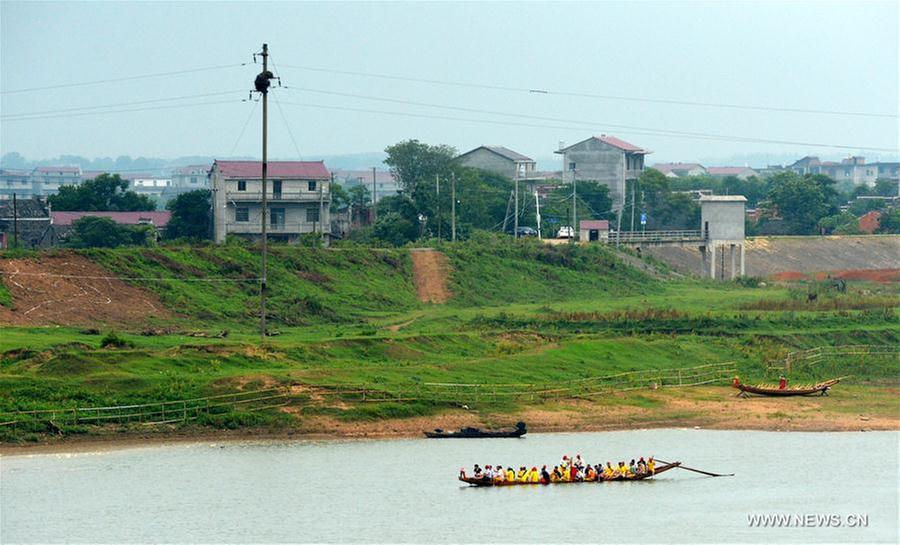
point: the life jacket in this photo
(510, 475)
(521, 475)
(535, 477)
(651, 466)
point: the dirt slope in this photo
(430, 271)
(54, 291)
(801, 256)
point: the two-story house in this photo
(604, 159)
(47, 180)
(298, 195)
(500, 160)
(190, 178)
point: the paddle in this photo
(699, 471)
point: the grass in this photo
(521, 313)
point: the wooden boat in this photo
(474, 433)
(487, 482)
(820, 388)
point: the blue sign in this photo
(643, 219)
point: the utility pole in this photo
(633, 185)
(506, 217)
(322, 211)
(437, 184)
(262, 86)
(537, 213)
(516, 220)
(374, 197)
(574, 203)
(15, 222)
(453, 207)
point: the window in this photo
(242, 214)
(571, 166)
(312, 214)
(276, 217)
(312, 185)
(242, 185)
(193, 179)
(846, 173)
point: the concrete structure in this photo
(722, 225)
(594, 230)
(680, 170)
(604, 159)
(852, 169)
(15, 181)
(151, 186)
(47, 180)
(298, 195)
(385, 183)
(499, 160)
(30, 218)
(190, 178)
(890, 171)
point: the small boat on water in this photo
(820, 388)
(639, 477)
(474, 433)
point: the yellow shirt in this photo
(651, 465)
(510, 475)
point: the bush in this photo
(112, 340)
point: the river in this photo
(406, 491)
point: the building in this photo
(151, 186)
(190, 178)
(680, 170)
(593, 230)
(853, 169)
(63, 221)
(385, 183)
(604, 159)
(890, 171)
(722, 227)
(27, 220)
(298, 195)
(15, 181)
(738, 172)
(499, 160)
(47, 180)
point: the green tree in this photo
(191, 215)
(889, 222)
(664, 208)
(101, 232)
(886, 187)
(394, 229)
(840, 224)
(415, 166)
(339, 198)
(104, 193)
(360, 197)
(801, 200)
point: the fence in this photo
(163, 412)
(465, 393)
(657, 236)
(813, 356)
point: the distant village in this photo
(300, 192)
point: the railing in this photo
(813, 356)
(163, 412)
(256, 196)
(288, 227)
(657, 236)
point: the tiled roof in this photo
(502, 152)
(192, 169)
(305, 170)
(594, 224)
(159, 219)
(25, 208)
(619, 143)
(669, 167)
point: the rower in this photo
(609, 471)
(556, 476)
(545, 475)
(478, 472)
(590, 474)
(534, 476)
(782, 382)
(499, 475)
(651, 465)
(510, 475)
(622, 470)
(520, 477)
(642, 466)
(632, 467)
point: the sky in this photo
(830, 56)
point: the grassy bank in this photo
(521, 314)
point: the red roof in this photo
(159, 219)
(601, 225)
(619, 143)
(870, 221)
(305, 170)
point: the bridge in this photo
(657, 237)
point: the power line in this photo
(168, 107)
(650, 132)
(127, 78)
(244, 128)
(594, 95)
(7, 117)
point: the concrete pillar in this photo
(733, 268)
(712, 261)
(742, 260)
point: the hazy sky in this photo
(836, 56)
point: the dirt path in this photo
(430, 271)
(71, 290)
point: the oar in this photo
(699, 471)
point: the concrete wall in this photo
(485, 159)
(597, 161)
(723, 219)
(772, 255)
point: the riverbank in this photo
(849, 408)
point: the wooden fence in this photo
(813, 356)
(163, 412)
(468, 393)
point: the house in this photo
(738, 172)
(890, 171)
(15, 181)
(499, 160)
(47, 180)
(63, 222)
(190, 178)
(298, 195)
(604, 159)
(26, 220)
(680, 170)
(151, 186)
(593, 230)
(853, 169)
(385, 183)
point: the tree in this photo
(191, 215)
(886, 187)
(339, 198)
(104, 193)
(395, 229)
(100, 232)
(889, 222)
(664, 209)
(415, 166)
(800, 200)
(840, 224)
